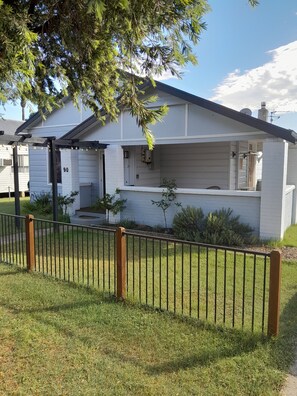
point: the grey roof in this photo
(9, 126)
(279, 132)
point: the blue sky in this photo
(246, 55)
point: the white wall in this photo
(6, 172)
(292, 177)
(289, 208)
(192, 166)
(139, 208)
(197, 165)
(275, 156)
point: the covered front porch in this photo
(251, 178)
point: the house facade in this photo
(6, 162)
(219, 158)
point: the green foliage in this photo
(42, 59)
(189, 224)
(126, 223)
(217, 228)
(64, 201)
(168, 197)
(111, 203)
(42, 204)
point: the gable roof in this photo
(9, 126)
(37, 117)
(279, 132)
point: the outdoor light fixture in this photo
(126, 154)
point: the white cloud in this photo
(274, 82)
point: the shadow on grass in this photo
(11, 273)
(284, 347)
(227, 342)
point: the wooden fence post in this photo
(274, 293)
(121, 263)
(30, 242)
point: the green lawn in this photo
(211, 285)
(60, 339)
(7, 205)
(290, 237)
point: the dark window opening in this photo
(58, 167)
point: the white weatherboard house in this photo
(220, 158)
(6, 163)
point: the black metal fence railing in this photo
(213, 283)
(80, 254)
(231, 287)
(13, 240)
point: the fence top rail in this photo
(205, 245)
(12, 215)
(70, 225)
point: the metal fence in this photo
(232, 287)
(213, 283)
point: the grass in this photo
(193, 282)
(7, 205)
(290, 237)
(61, 339)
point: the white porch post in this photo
(274, 178)
(114, 173)
(292, 177)
(70, 176)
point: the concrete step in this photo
(89, 213)
(88, 219)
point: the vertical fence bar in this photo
(121, 263)
(274, 293)
(30, 242)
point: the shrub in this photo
(126, 223)
(189, 224)
(218, 228)
(111, 203)
(221, 228)
(41, 203)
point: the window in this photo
(58, 167)
(23, 162)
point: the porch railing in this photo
(230, 287)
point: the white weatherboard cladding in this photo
(289, 209)
(184, 123)
(6, 172)
(39, 172)
(60, 121)
(192, 166)
(139, 207)
(89, 173)
(147, 174)
(197, 165)
(275, 155)
(292, 177)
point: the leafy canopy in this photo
(94, 50)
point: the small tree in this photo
(168, 197)
(64, 201)
(111, 204)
